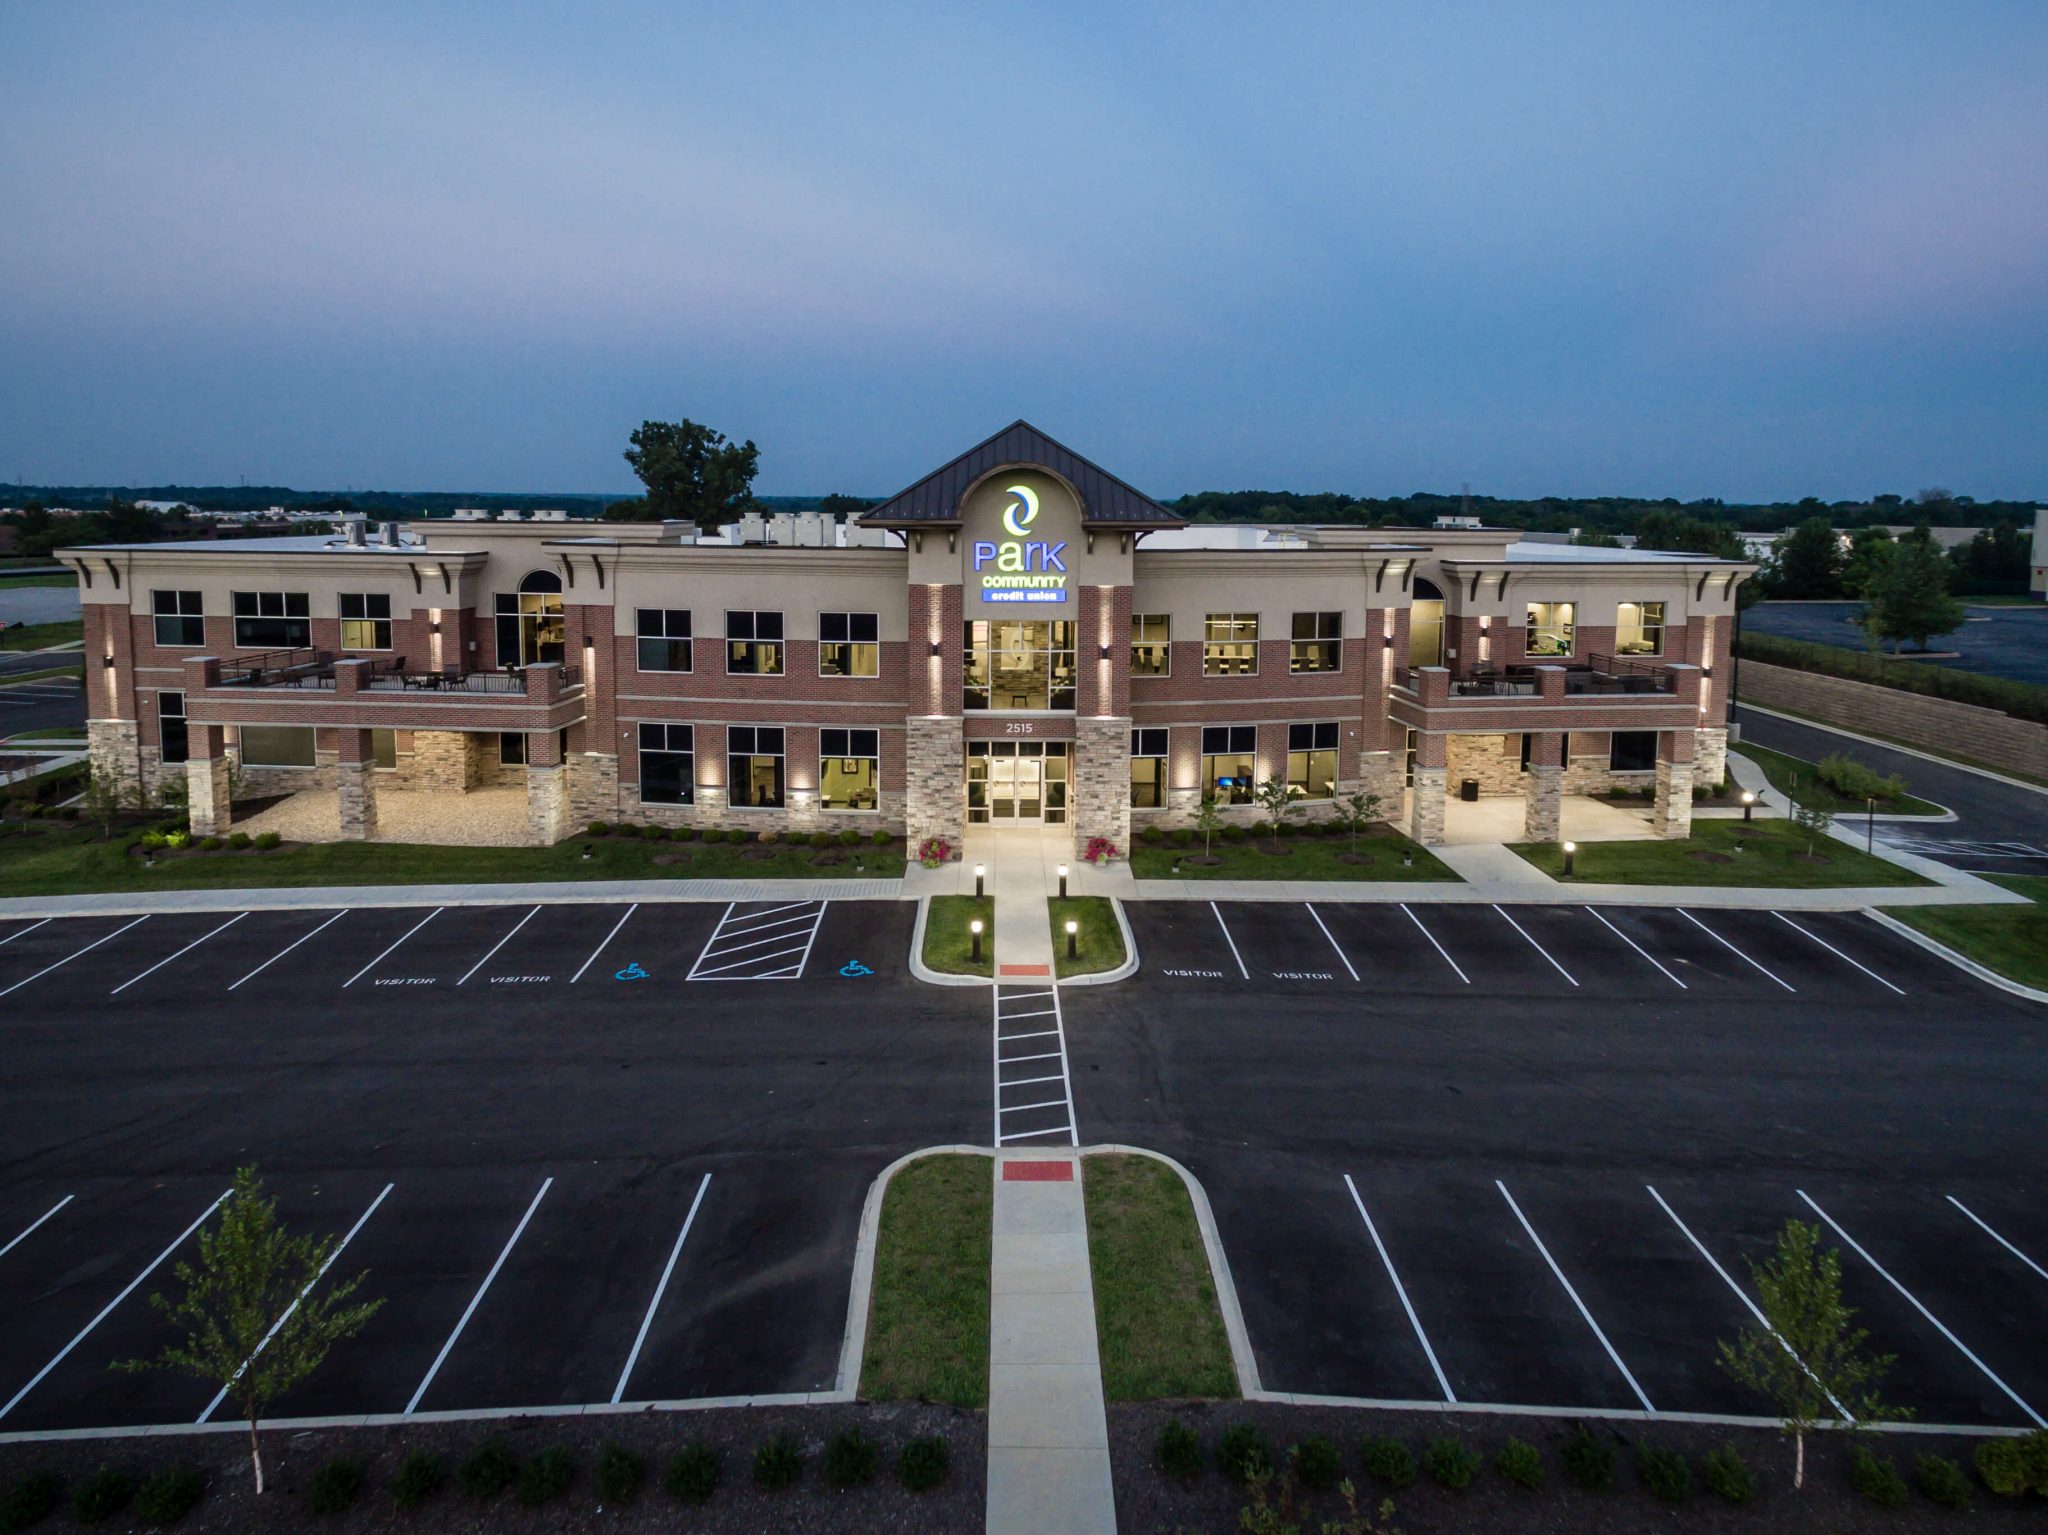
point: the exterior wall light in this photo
(935, 649)
(1104, 652)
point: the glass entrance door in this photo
(1016, 788)
(1017, 781)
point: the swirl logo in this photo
(1022, 512)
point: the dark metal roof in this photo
(1105, 499)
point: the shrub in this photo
(778, 1462)
(546, 1476)
(768, 838)
(1388, 1461)
(934, 852)
(150, 841)
(692, 1473)
(1852, 780)
(209, 844)
(266, 840)
(1665, 1473)
(1315, 1462)
(851, 838)
(619, 1472)
(1182, 836)
(2034, 1456)
(1234, 832)
(1942, 1480)
(1727, 1474)
(335, 1486)
(177, 841)
(821, 839)
(1449, 1463)
(1262, 830)
(1151, 834)
(238, 840)
(881, 839)
(1243, 1453)
(738, 835)
(1180, 1451)
(850, 1459)
(419, 1478)
(170, 1495)
(1876, 1476)
(1588, 1460)
(653, 833)
(599, 828)
(1520, 1463)
(923, 1463)
(105, 1493)
(489, 1471)
(30, 1500)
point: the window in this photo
(530, 626)
(1312, 760)
(1426, 626)
(365, 621)
(512, 748)
(1550, 628)
(1227, 762)
(754, 760)
(384, 749)
(1639, 629)
(1148, 768)
(1318, 642)
(668, 757)
(172, 742)
(849, 763)
(849, 645)
(662, 639)
(272, 621)
(753, 644)
(1632, 751)
(280, 746)
(180, 618)
(1230, 645)
(1018, 664)
(1151, 655)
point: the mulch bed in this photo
(291, 1459)
(1148, 1500)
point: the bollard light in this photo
(1063, 882)
(974, 927)
(1073, 929)
(1748, 802)
(979, 870)
(1569, 849)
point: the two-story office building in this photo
(1017, 638)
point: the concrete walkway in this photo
(1048, 1436)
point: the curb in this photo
(923, 971)
(1122, 972)
(1961, 961)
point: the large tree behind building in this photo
(1909, 598)
(1808, 561)
(692, 474)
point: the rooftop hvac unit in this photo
(387, 534)
(814, 532)
(509, 514)
(752, 529)
(550, 514)
(470, 514)
(355, 528)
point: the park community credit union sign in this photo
(1018, 567)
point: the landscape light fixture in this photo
(1748, 802)
(1063, 882)
(1073, 932)
(979, 871)
(1570, 848)
(974, 928)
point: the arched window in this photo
(530, 623)
(1426, 625)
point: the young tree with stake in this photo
(1276, 798)
(1810, 816)
(254, 1317)
(1360, 811)
(1208, 821)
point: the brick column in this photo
(1544, 815)
(1673, 814)
(1101, 783)
(547, 787)
(207, 790)
(935, 768)
(1432, 774)
(356, 790)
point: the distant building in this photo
(2038, 581)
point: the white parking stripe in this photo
(1560, 969)
(1724, 943)
(18, 933)
(721, 949)
(1064, 1076)
(1004, 1039)
(730, 931)
(67, 959)
(60, 1204)
(1231, 941)
(280, 954)
(373, 964)
(106, 1310)
(195, 943)
(1023, 996)
(222, 1395)
(763, 967)
(1413, 1321)
(1461, 975)
(675, 1252)
(1025, 1135)
(2001, 1241)
(1024, 1108)
(1836, 952)
(476, 1299)
(1043, 1012)
(1018, 1060)
(608, 937)
(1846, 1415)
(769, 911)
(1914, 1301)
(1574, 1294)
(1674, 980)
(752, 959)
(472, 970)
(1030, 1081)
(1333, 942)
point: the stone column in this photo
(1101, 783)
(593, 787)
(113, 749)
(935, 773)
(1672, 816)
(207, 797)
(356, 790)
(1426, 798)
(1710, 757)
(1544, 815)
(547, 788)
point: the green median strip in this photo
(2012, 940)
(1799, 779)
(75, 671)
(41, 636)
(949, 936)
(1098, 940)
(1379, 855)
(1764, 854)
(928, 1316)
(1156, 1314)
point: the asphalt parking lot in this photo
(1517, 1156)
(564, 1139)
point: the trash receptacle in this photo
(1468, 789)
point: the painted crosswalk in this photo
(1034, 1094)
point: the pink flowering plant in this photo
(1100, 850)
(934, 851)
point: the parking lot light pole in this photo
(1748, 803)
(1870, 825)
(979, 870)
(1073, 929)
(1570, 848)
(1063, 882)
(974, 928)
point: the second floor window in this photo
(1228, 753)
(1148, 768)
(365, 620)
(1318, 642)
(1639, 629)
(753, 646)
(662, 639)
(1151, 651)
(531, 627)
(180, 618)
(272, 621)
(849, 645)
(1551, 625)
(1230, 644)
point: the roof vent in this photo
(387, 534)
(355, 528)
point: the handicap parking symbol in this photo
(853, 969)
(632, 972)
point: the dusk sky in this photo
(1753, 251)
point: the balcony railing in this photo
(313, 671)
(1599, 674)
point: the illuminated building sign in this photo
(1021, 568)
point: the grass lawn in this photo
(1099, 944)
(1773, 855)
(50, 733)
(53, 578)
(1300, 858)
(60, 858)
(948, 945)
(2013, 940)
(1160, 1329)
(75, 670)
(42, 636)
(1797, 777)
(928, 1320)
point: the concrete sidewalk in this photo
(1048, 1436)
